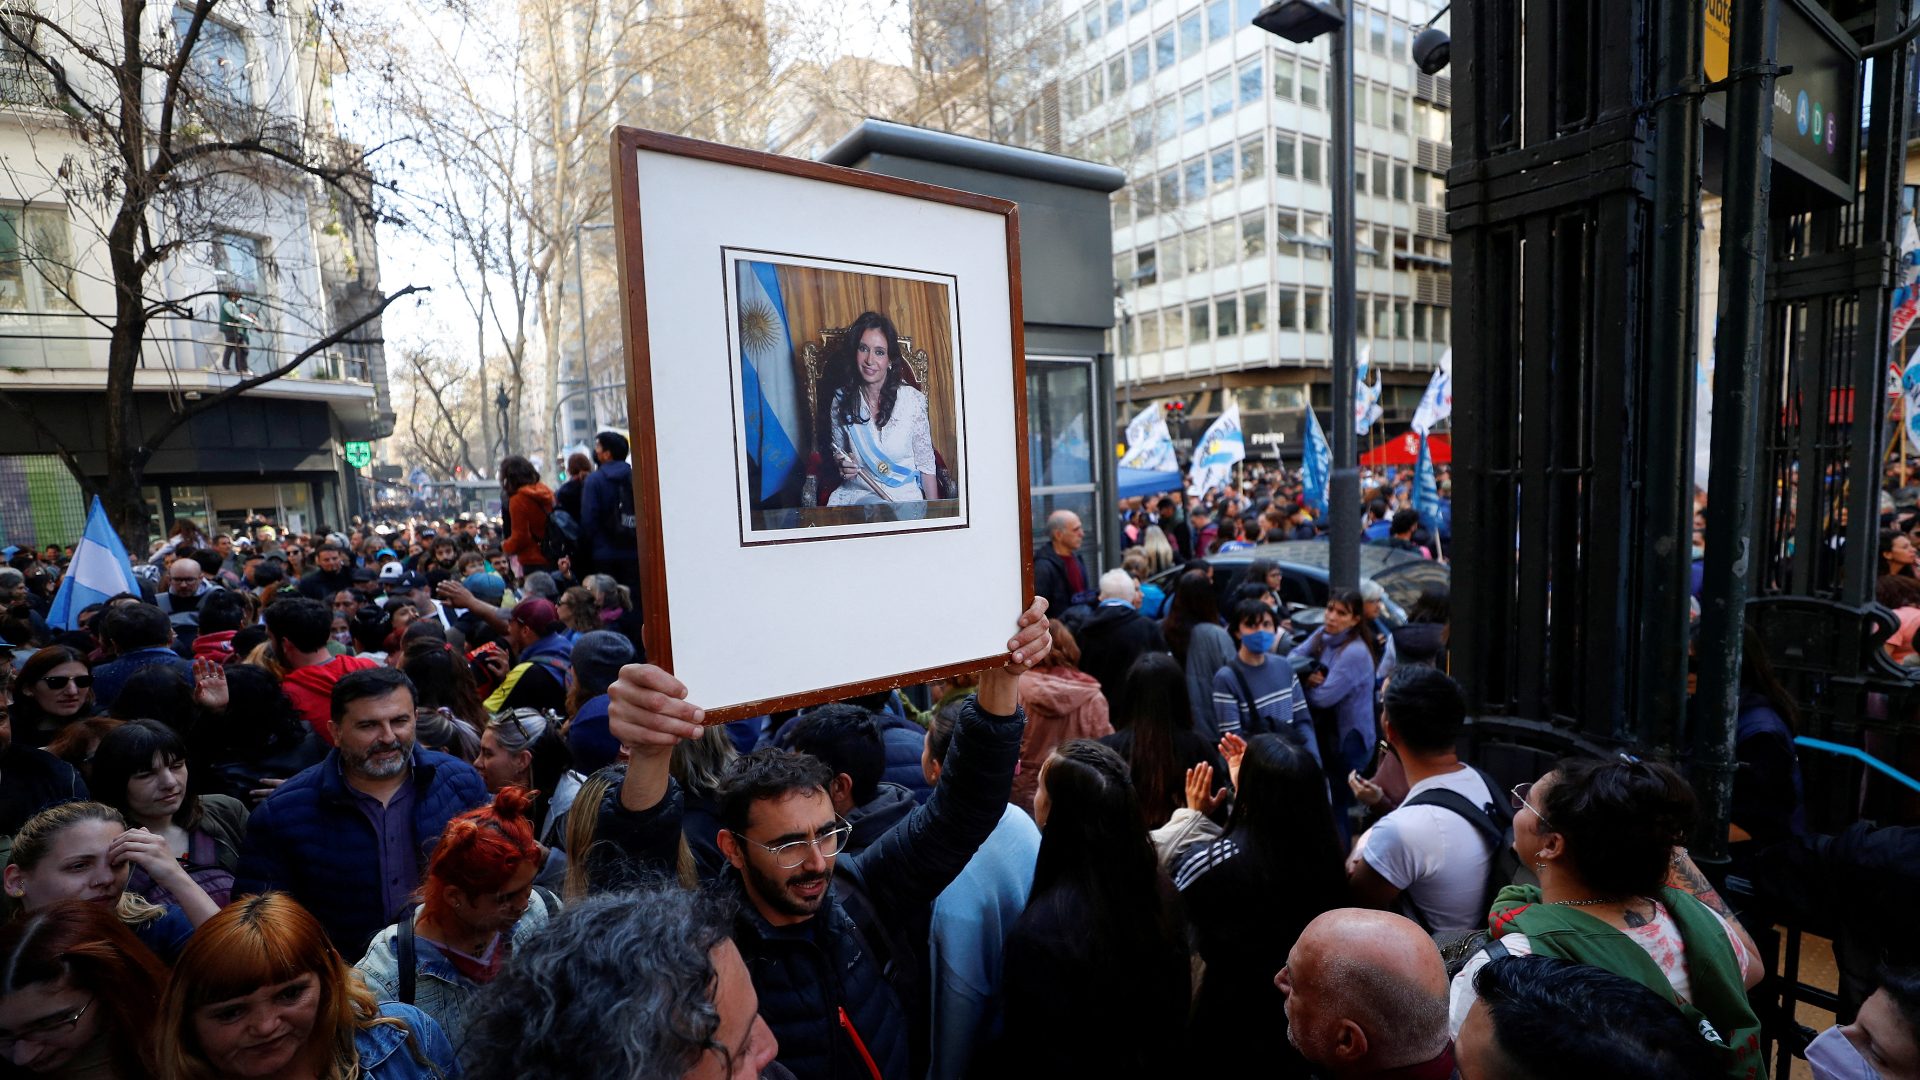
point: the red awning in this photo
(1405, 450)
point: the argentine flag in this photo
(99, 569)
(1426, 491)
(1437, 403)
(1316, 464)
(1217, 450)
(769, 393)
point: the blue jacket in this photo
(311, 840)
(385, 1054)
(109, 678)
(600, 506)
(1347, 692)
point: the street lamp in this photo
(1432, 48)
(1302, 21)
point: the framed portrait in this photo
(827, 396)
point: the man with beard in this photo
(331, 576)
(828, 937)
(347, 837)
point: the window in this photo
(1286, 232)
(1313, 311)
(1096, 87)
(1196, 245)
(1253, 235)
(1310, 85)
(1420, 322)
(1226, 317)
(1314, 229)
(1223, 167)
(1139, 60)
(1219, 20)
(1190, 35)
(1195, 174)
(1382, 248)
(1283, 77)
(1193, 109)
(1397, 40)
(36, 261)
(1289, 313)
(1253, 308)
(1072, 31)
(1377, 104)
(1377, 31)
(1166, 121)
(1379, 165)
(1169, 190)
(1310, 160)
(1145, 266)
(1400, 181)
(1440, 318)
(1250, 83)
(1117, 74)
(1116, 13)
(1135, 7)
(1145, 205)
(1173, 328)
(1400, 320)
(1142, 122)
(1163, 54)
(1360, 171)
(1123, 208)
(218, 60)
(1245, 10)
(1382, 317)
(1252, 160)
(1359, 106)
(1285, 155)
(1198, 325)
(1226, 243)
(1147, 327)
(1401, 107)
(1171, 263)
(1364, 253)
(1094, 28)
(1220, 94)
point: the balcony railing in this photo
(72, 342)
(26, 84)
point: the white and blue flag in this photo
(769, 392)
(1316, 464)
(99, 570)
(1149, 443)
(1437, 403)
(1426, 490)
(1221, 446)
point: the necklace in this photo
(1586, 903)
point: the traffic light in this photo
(1175, 408)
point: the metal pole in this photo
(1666, 471)
(1343, 494)
(580, 297)
(1739, 368)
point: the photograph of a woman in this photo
(881, 440)
(849, 418)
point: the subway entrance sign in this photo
(359, 454)
(1816, 105)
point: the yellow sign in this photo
(1718, 39)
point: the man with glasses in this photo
(830, 938)
(1435, 857)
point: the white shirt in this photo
(1434, 856)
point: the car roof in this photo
(1402, 574)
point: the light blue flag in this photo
(99, 570)
(1316, 463)
(1426, 491)
(1222, 445)
(769, 391)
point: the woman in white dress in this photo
(878, 427)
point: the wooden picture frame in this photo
(755, 600)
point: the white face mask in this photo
(1833, 1057)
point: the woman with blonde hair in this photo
(261, 992)
(1158, 549)
(1063, 703)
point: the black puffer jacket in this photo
(860, 963)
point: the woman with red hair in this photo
(476, 904)
(78, 993)
(261, 993)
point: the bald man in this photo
(1058, 572)
(1367, 997)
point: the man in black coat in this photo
(1059, 574)
(820, 931)
(1116, 634)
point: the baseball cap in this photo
(385, 551)
(392, 572)
(536, 614)
(486, 586)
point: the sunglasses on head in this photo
(59, 682)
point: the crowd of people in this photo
(406, 801)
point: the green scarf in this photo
(1719, 1004)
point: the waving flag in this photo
(1437, 403)
(768, 390)
(1426, 490)
(1316, 464)
(99, 570)
(1149, 444)
(1906, 283)
(1366, 399)
(1218, 449)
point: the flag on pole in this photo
(99, 570)
(1910, 403)
(1316, 463)
(1426, 489)
(1149, 443)
(1221, 446)
(1366, 399)
(1437, 403)
(768, 387)
(1906, 283)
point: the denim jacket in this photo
(439, 990)
(384, 1054)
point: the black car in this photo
(1402, 575)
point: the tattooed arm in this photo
(1687, 877)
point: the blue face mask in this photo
(1832, 1057)
(1258, 641)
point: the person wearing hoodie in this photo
(542, 657)
(222, 614)
(1115, 634)
(299, 629)
(847, 739)
(607, 514)
(332, 575)
(1062, 703)
(528, 503)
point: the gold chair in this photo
(813, 356)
